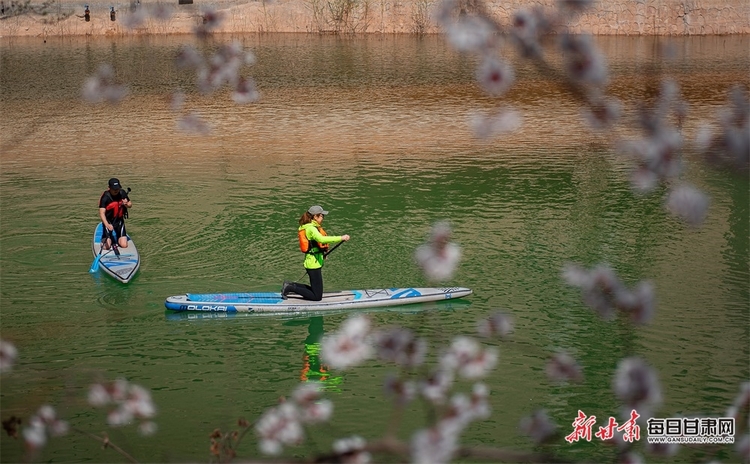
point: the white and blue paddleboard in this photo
(271, 302)
(123, 266)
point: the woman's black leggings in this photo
(314, 291)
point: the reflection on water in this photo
(312, 368)
(373, 128)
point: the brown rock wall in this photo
(608, 17)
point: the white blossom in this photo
(277, 427)
(350, 450)
(400, 346)
(539, 427)
(688, 204)
(349, 346)
(403, 391)
(636, 384)
(102, 86)
(470, 34)
(440, 257)
(495, 76)
(563, 367)
(498, 323)
(436, 386)
(495, 123)
(435, 445)
(45, 422)
(8, 355)
(468, 358)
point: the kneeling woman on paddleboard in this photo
(313, 241)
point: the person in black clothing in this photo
(113, 209)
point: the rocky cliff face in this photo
(608, 17)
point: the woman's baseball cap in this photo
(317, 209)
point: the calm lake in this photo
(376, 130)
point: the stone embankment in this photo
(608, 17)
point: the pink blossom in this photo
(193, 123)
(189, 57)
(245, 91)
(147, 428)
(495, 76)
(8, 356)
(471, 34)
(342, 351)
(212, 19)
(563, 367)
(311, 407)
(636, 384)
(435, 445)
(177, 101)
(467, 357)
(130, 402)
(526, 33)
(599, 287)
(35, 435)
(277, 427)
(436, 386)
(403, 391)
(44, 422)
(732, 144)
(486, 126)
(307, 393)
(440, 257)
(350, 345)
(497, 324)
(583, 62)
(102, 86)
(350, 450)
(688, 204)
(657, 157)
(539, 427)
(98, 395)
(638, 303)
(466, 409)
(400, 346)
(356, 326)
(119, 417)
(602, 114)
(319, 411)
(604, 293)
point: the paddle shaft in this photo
(325, 255)
(331, 250)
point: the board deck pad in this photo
(348, 299)
(122, 267)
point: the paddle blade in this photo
(95, 265)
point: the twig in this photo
(108, 444)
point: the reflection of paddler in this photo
(312, 368)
